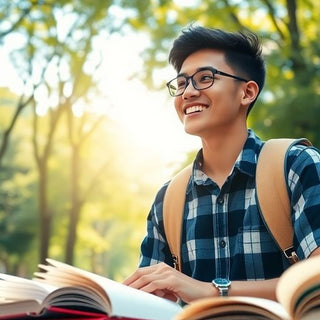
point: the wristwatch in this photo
(222, 285)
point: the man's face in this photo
(214, 110)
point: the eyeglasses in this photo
(202, 79)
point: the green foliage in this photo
(18, 219)
(56, 58)
(290, 34)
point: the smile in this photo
(194, 109)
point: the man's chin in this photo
(192, 131)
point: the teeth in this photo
(194, 109)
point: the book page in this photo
(71, 277)
(20, 295)
(233, 307)
(311, 315)
(296, 281)
(17, 288)
(311, 306)
(8, 308)
(75, 297)
(125, 301)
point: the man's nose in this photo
(190, 89)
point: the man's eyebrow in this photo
(184, 74)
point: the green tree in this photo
(58, 38)
(57, 59)
(18, 225)
(289, 31)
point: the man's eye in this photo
(206, 78)
(181, 83)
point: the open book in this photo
(298, 293)
(61, 290)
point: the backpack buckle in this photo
(291, 255)
(175, 262)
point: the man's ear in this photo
(250, 92)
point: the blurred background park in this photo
(88, 132)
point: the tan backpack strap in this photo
(173, 208)
(272, 193)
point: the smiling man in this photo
(226, 248)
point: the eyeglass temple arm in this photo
(231, 76)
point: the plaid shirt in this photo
(223, 234)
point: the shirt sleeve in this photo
(303, 169)
(154, 247)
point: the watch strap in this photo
(222, 285)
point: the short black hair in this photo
(243, 51)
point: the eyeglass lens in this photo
(202, 79)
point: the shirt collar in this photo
(247, 159)
(245, 163)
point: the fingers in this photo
(128, 281)
(165, 294)
(137, 275)
(164, 281)
(145, 271)
(156, 279)
(143, 276)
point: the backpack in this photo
(272, 199)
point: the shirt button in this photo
(222, 243)
(220, 200)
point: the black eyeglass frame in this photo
(188, 78)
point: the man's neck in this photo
(220, 154)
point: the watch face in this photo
(222, 282)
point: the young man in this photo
(220, 76)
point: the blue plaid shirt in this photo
(223, 234)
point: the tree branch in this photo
(233, 16)
(293, 24)
(6, 135)
(25, 12)
(273, 17)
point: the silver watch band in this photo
(223, 291)
(222, 285)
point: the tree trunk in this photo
(75, 205)
(44, 213)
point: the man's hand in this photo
(165, 281)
